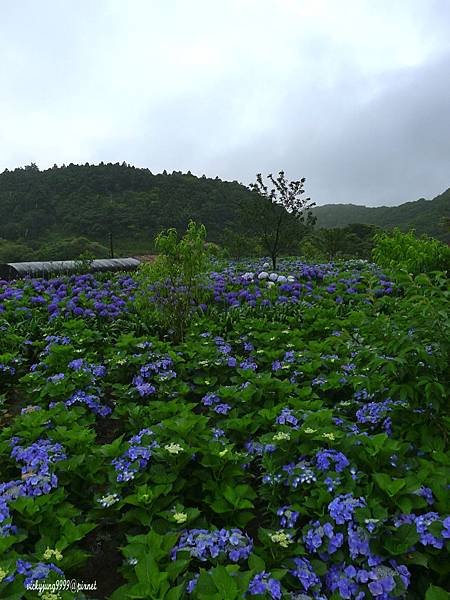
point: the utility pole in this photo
(111, 247)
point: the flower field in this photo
(293, 445)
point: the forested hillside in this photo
(42, 207)
(425, 216)
(59, 212)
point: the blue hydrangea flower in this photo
(288, 517)
(305, 574)
(287, 417)
(318, 535)
(326, 458)
(263, 583)
(137, 456)
(341, 509)
(205, 545)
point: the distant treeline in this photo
(61, 212)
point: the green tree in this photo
(278, 217)
(15, 252)
(332, 241)
(445, 223)
(240, 245)
(71, 249)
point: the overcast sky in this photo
(354, 95)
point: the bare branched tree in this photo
(280, 215)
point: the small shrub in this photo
(172, 287)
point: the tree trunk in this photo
(274, 261)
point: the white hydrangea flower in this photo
(263, 275)
(173, 448)
(266, 265)
(49, 553)
(273, 276)
(291, 278)
(281, 279)
(282, 538)
(180, 517)
(109, 500)
(281, 435)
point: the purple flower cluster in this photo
(293, 474)
(32, 573)
(263, 583)
(225, 349)
(222, 409)
(7, 369)
(425, 492)
(248, 364)
(37, 476)
(205, 545)
(218, 433)
(358, 542)
(373, 412)
(341, 509)
(55, 340)
(288, 517)
(211, 399)
(91, 401)
(75, 296)
(258, 449)
(37, 459)
(79, 364)
(136, 457)
(318, 535)
(362, 395)
(328, 459)
(191, 584)
(5, 527)
(422, 524)
(352, 582)
(287, 417)
(158, 370)
(56, 378)
(299, 473)
(305, 574)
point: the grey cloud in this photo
(352, 95)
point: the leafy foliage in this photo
(406, 251)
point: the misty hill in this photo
(55, 212)
(422, 215)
